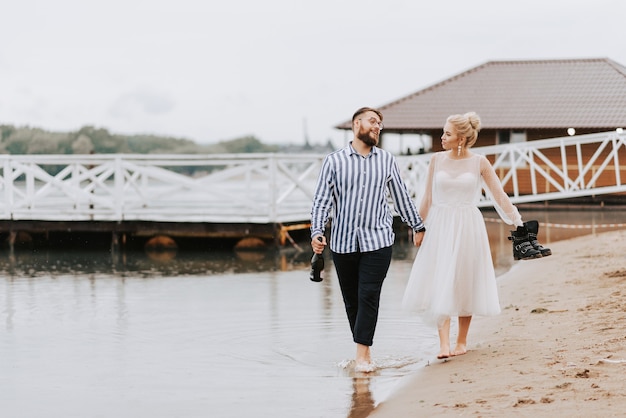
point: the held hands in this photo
(418, 237)
(317, 245)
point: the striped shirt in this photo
(352, 190)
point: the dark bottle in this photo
(317, 265)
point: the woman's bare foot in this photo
(459, 350)
(444, 352)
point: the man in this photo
(353, 184)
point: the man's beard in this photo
(367, 138)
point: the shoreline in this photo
(557, 349)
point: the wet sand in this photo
(557, 349)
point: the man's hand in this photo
(317, 245)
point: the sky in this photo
(284, 71)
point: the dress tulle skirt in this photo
(453, 272)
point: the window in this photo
(518, 136)
(504, 137)
(512, 136)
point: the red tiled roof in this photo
(579, 93)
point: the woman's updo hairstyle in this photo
(467, 125)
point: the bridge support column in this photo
(115, 243)
(12, 238)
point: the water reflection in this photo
(362, 400)
(33, 263)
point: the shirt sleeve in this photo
(507, 211)
(322, 199)
(402, 200)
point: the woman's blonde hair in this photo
(466, 125)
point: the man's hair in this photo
(366, 109)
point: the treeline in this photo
(90, 140)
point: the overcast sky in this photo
(276, 69)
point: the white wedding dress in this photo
(453, 273)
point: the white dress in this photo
(453, 273)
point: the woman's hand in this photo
(418, 237)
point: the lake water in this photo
(209, 333)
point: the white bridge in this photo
(271, 188)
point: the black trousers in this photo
(361, 277)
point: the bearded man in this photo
(352, 191)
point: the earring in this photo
(458, 151)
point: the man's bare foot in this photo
(363, 359)
(365, 367)
(459, 350)
(363, 354)
(443, 355)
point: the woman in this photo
(462, 281)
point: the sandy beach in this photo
(557, 349)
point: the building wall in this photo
(488, 137)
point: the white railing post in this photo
(618, 179)
(273, 188)
(30, 185)
(8, 188)
(74, 181)
(564, 164)
(579, 160)
(118, 193)
(533, 171)
(514, 170)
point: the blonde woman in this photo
(461, 283)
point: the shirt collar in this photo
(350, 150)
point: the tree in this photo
(82, 145)
(246, 144)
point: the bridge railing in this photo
(237, 188)
(272, 188)
(542, 170)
